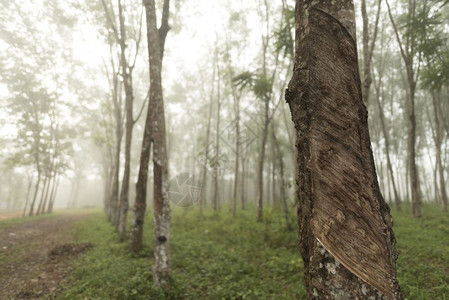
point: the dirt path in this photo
(35, 256)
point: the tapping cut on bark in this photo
(346, 240)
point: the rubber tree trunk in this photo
(397, 200)
(408, 58)
(278, 155)
(127, 72)
(346, 240)
(161, 214)
(136, 231)
(262, 161)
(438, 141)
(27, 199)
(216, 195)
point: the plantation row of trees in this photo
(72, 113)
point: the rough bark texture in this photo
(136, 231)
(140, 204)
(161, 269)
(346, 240)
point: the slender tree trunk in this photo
(437, 198)
(36, 190)
(397, 200)
(50, 181)
(27, 199)
(368, 50)
(54, 190)
(237, 152)
(116, 182)
(44, 205)
(408, 58)
(129, 101)
(438, 142)
(261, 162)
(407, 178)
(273, 172)
(346, 240)
(44, 188)
(414, 179)
(206, 150)
(243, 182)
(216, 200)
(156, 132)
(278, 155)
(140, 204)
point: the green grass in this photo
(215, 256)
(423, 244)
(19, 220)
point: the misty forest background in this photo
(74, 96)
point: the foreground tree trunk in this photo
(346, 240)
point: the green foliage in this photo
(284, 37)
(436, 74)
(259, 84)
(244, 80)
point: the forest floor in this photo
(36, 254)
(213, 256)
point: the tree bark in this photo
(161, 215)
(161, 269)
(368, 50)
(215, 200)
(206, 150)
(27, 199)
(262, 161)
(438, 142)
(53, 193)
(407, 54)
(136, 231)
(397, 200)
(129, 125)
(36, 190)
(346, 240)
(278, 156)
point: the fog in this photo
(56, 89)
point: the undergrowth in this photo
(217, 256)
